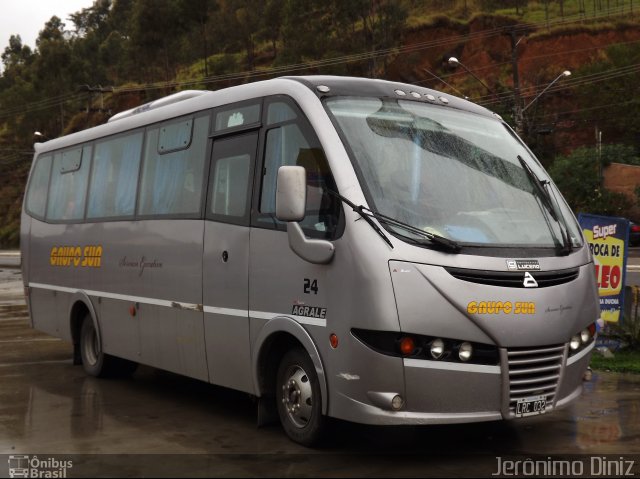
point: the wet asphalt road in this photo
(160, 424)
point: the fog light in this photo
(397, 402)
(465, 352)
(575, 343)
(437, 349)
(585, 336)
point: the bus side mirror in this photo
(291, 202)
(291, 193)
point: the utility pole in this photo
(93, 91)
(599, 152)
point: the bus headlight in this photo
(465, 352)
(417, 347)
(575, 343)
(437, 349)
(582, 339)
(585, 336)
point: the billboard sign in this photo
(608, 239)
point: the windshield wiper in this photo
(433, 239)
(564, 227)
(543, 187)
(539, 186)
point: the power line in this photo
(372, 54)
(254, 74)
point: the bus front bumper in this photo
(442, 393)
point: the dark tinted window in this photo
(37, 195)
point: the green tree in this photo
(91, 31)
(306, 31)
(383, 23)
(272, 23)
(577, 176)
(620, 97)
(155, 28)
(241, 22)
(16, 54)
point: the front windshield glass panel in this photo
(450, 172)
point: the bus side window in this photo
(293, 143)
(173, 166)
(37, 195)
(68, 189)
(114, 177)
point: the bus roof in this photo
(191, 101)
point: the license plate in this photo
(531, 406)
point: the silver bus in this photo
(337, 247)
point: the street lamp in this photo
(565, 73)
(519, 112)
(454, 62)
(39, 135)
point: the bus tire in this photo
(299, 399)
(94, 361)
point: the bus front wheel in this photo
(299, 399)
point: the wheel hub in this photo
(297, 397)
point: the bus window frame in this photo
(259, 219)
(259, 101)
(95, 142)
(207, 164)
(61, 151)
(239, 130)
(245, 219)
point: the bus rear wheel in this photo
(94, 361)
(299, 399)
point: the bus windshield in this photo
(452, 173)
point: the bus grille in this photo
(513, 279)
(534, 372)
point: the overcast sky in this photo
(27, 17)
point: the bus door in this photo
(226, 260)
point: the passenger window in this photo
(292, 143)
(37, 195)
(232, 161)
(68, 188)
(173, 167)
(114, 177)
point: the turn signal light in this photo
(407, 346)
